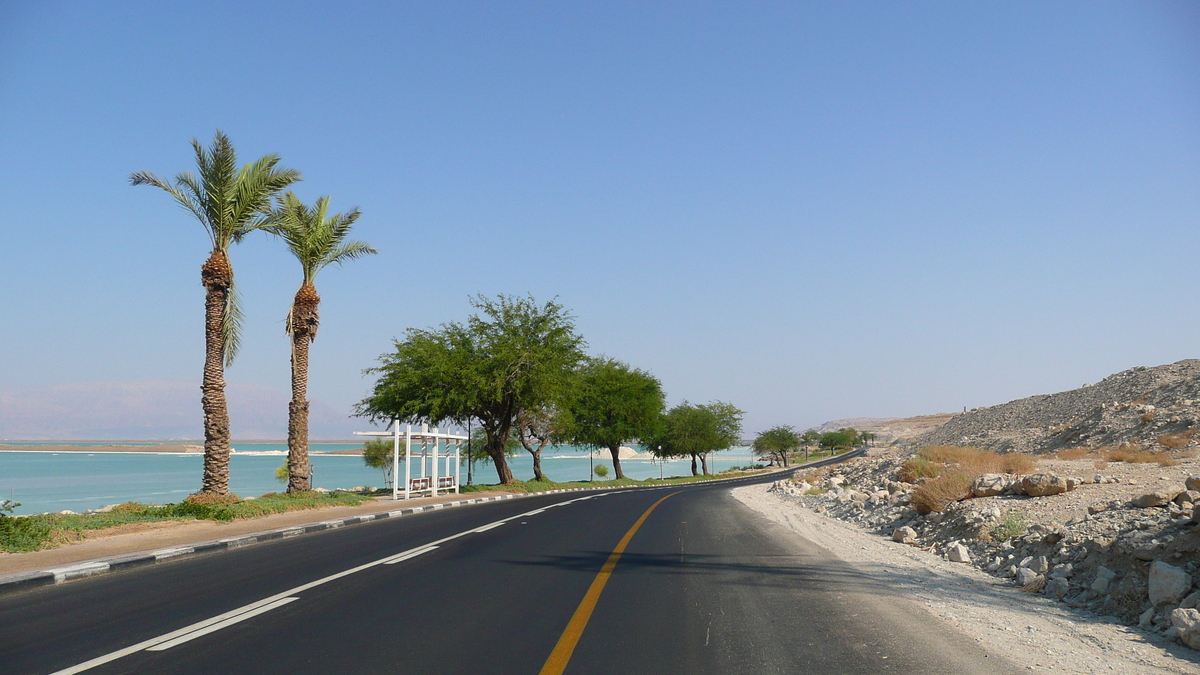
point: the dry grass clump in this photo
(968, 459)
(952, 470)
(1177, 440)
(918, 468)
(937, 493)
(1136, 454)
(1148, 417)
(1073, 453)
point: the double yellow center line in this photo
(557, 662)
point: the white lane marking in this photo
(485, 528)
(219, 625)
(132, 649)
(534, 513)
(408, 554)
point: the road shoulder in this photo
(1038, 634)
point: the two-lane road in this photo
(701, 585)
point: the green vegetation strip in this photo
(20, 534)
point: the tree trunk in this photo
(216, 275)
(704, 463)
(503, 472)
(537, 465)
(496, 442)
(694, 472)
(616, 458)
(303, 329)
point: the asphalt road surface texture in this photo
(679, 579)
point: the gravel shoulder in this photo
(1042, 635)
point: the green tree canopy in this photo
(616, 403)
(695, 430)
(513, 355)
(840, 439)
(776, 443)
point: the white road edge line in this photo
(146, 645)
(219, 625)
(485, 528)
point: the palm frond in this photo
(315, 238)
(231, 326)
(349, 251)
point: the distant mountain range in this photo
(154, 410)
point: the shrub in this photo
(1073, 453)
(977, 461)
(917, 468)
(1135, 454)
(953, 469)
(1010, 526)
(601, 470)
(937, 493)
(1178, 440)
(18, 534)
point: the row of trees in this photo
(231, 202)
(778, 443)
(518, 369)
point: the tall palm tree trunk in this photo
(216, 275)
(303, 327)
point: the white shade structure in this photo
(430, 441)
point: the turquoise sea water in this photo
(77, 481)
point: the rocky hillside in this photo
(1139, 405)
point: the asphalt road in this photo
(704, 585)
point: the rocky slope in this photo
(1124, 544)
(1138, 405)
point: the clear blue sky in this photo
(812, 210)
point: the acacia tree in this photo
(842, 439)
(809, 437)
(539, 427)
(615, 405)
(776, 442)
(318, 240)
(697, 430)
(513, 355)
(230, 202)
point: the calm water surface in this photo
(77, 481)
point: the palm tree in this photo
(230, 203)
(317, 240)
